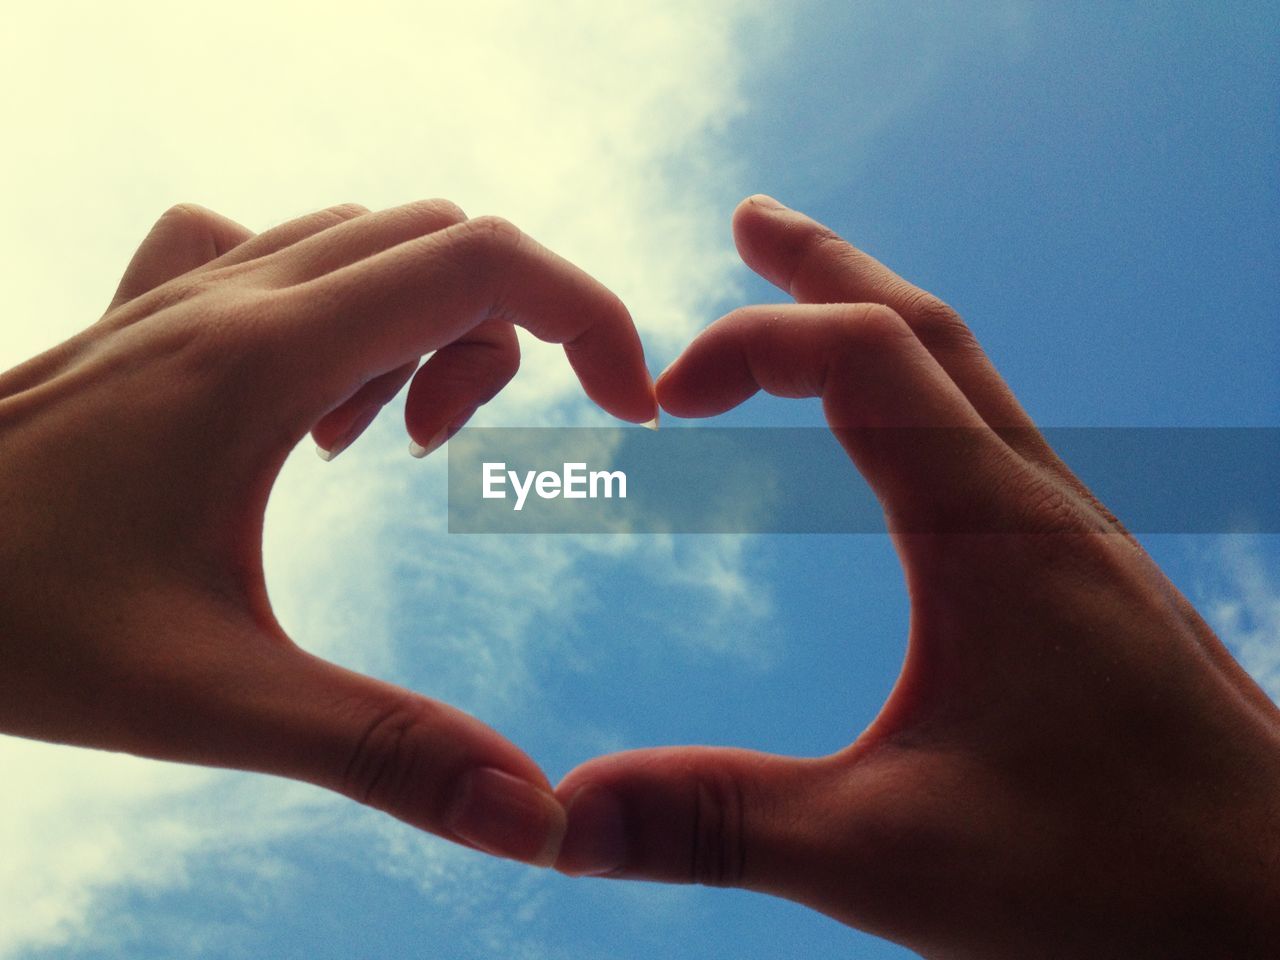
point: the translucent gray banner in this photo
(799, 480)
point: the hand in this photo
(137, 457)
(1070, 763)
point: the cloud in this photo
(1242, 603)
(576, 120)
(79, 828)
(593, 125)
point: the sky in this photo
(1093, 187)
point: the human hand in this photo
(1070, 763)
(137, 457)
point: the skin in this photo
(1070, 763)
(137, 457)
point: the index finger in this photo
(375, 314)
(920, 444)
(816, 265)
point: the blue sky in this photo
(1094, 188)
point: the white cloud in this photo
(568, 118)
(78, 826)
(591, 124)
(1243, 606)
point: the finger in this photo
(912, 433)
(421, 295)
(363, 236)
(857, 835)
(815, 265)
(342, 426)
(719, 817)
(293, 231)
(187, 236)
(458, 379)
(276, 709)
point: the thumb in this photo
(714, 816)
(431, 765)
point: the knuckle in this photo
(1043, 506)
(492, 235)
(503, 364)
(864, 333)
(232, 324)
(388, 760)
(750, 316)
(875, 328)
(718, 854)
(819, 250)
(1045, 500)
(1050, 508)
(253, 319)
(825, 242)
(425, 216)
(185, 220)
(187, 213)
(345, 211)
(440, 210)
(478, 369)
(488, 248)
(936, 323)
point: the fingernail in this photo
(439, 440)
(508, 817)
(435, 443)
(358, 426)
(766, 201)
(596, 840)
